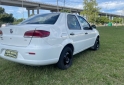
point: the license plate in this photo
(11, 53)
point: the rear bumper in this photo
(31, 62)
(44, 55)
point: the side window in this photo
(73, 23)
(84, 23)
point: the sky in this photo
(107, 6)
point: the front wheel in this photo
(65, 60)
(96, 45)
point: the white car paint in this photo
(48, 49)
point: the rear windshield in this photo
(50, 18)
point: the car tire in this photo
(65, 60)
(96, 45)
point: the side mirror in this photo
(93, 26)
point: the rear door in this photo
(90, 34)
(76, 33)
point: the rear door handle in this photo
(72, 34)
(86, 33)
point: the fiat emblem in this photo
(11, 31)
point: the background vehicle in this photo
(51, 38)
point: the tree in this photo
(2, 10)
(5, 17)
(65, 10)
(102, 20)
(90, 10)
(17, 21)
(31, 15)
(117, 20)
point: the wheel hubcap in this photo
(97, 44)
(67, 58)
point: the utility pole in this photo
(23, 9)
(107, 9)
(57, 7)
(64, 5)
(0, 3)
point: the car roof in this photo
(58, 13)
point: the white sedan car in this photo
(51, 38)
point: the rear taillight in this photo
(31, 53)
(1, 33)
(37, 33)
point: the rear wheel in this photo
(65, 60)
(96, 45)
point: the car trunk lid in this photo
(14, 35)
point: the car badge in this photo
(11, 31)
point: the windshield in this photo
(50, 18)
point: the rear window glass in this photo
(50, 18)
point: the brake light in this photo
(31, 53)
(1, 33)
(37, 33)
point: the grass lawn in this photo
(102, 67)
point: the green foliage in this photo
(20, 20)
(2, 10)
(17, 21)
(5, 17)
(64, 10)
(102, 20)
(90, 10)
(31, 15)
(117, 20)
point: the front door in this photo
(90, 33)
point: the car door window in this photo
(73, 23)
(84, 23)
